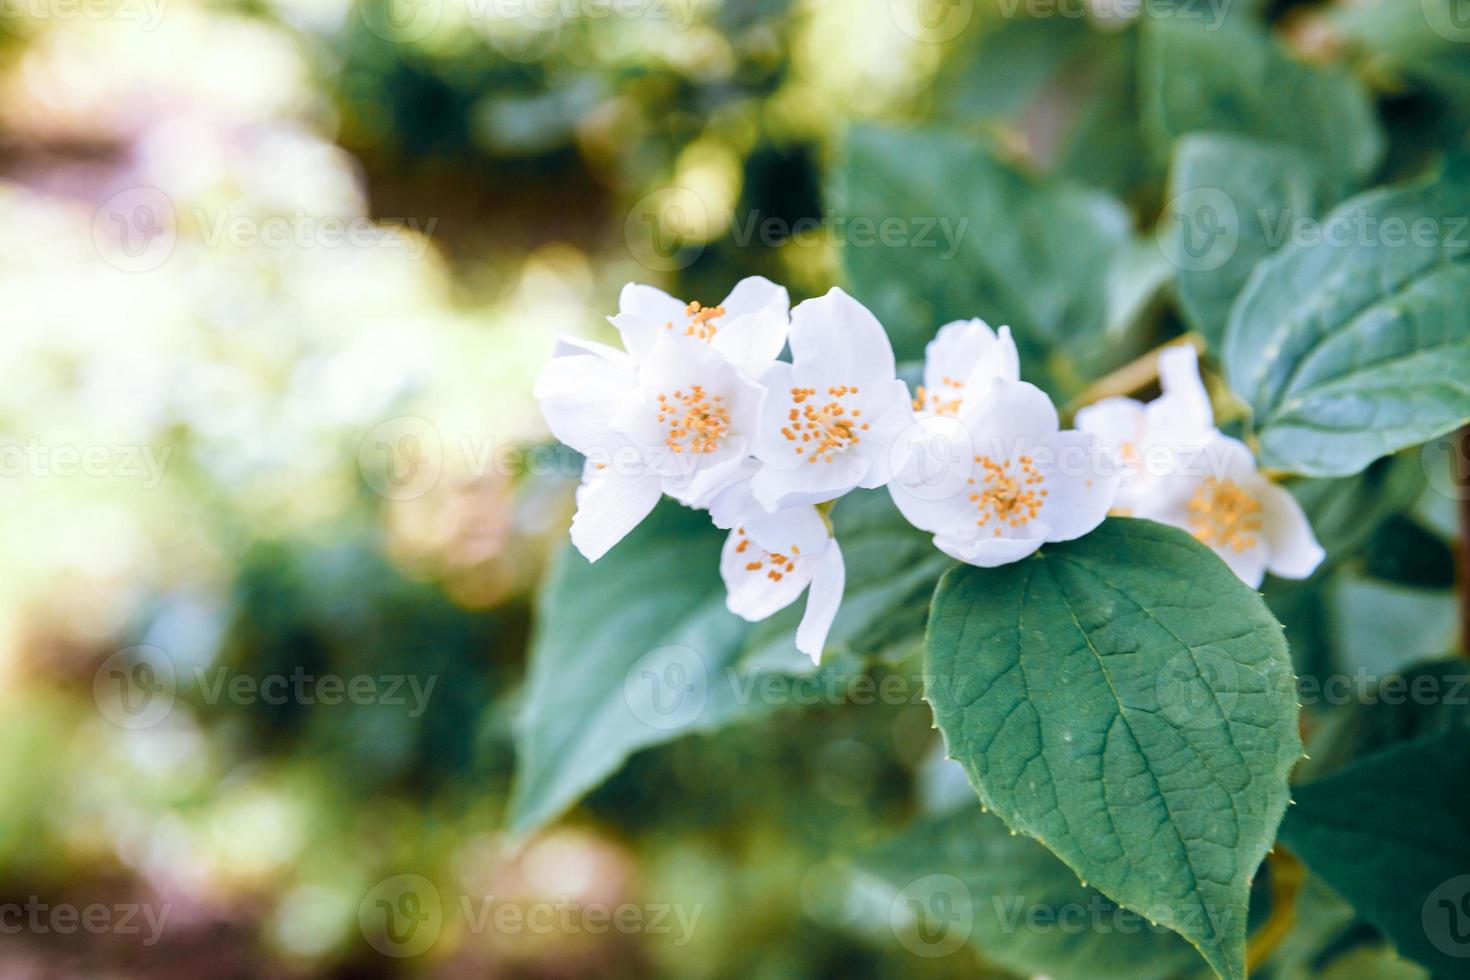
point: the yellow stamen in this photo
(1222, 515)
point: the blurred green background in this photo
(277, 276)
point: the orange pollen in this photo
(830, 425)
(701, 321)
(1222, 515)
(930, 401)
(1010, 493)
(697, 422)
(780, 565)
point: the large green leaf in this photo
(974, 236)
(1017, 905)
(892, 568)
(1127, 701)
(1389, 834)
(628, 653)
(1357, 344)
(1230, 76)
(1231, 199)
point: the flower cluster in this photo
(1179, 469)
(697, 405)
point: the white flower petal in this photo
(1117, 422)
(1294, 551)
(579, 396)
(756, 294)
(888, 412)
(711, 476)
(1080, 488)
(751, 343)
(644, 314)
(609, 505)
(736, 503)
(1014, 414)
(966, 355)
(829, 578)
(753, 330)
(667, 378)
(1248, 564)
(756, 585)
(568, 345)
(639, 333)
(650, 303)
(793, 530)
(808, 483)
(987, 552)
(836, 340)
(1182, 415)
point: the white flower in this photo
(1225, 502)
(675, 413)
(748, 328)
(832, 414)
(1180, 470)
(769, 558)
(1148, 441)
(961, 362)
(1018, 482)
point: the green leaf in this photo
(1382, 627)
(1357, 344)
(1424, 701)
(1345, 513)
(1006, 69)
(1231, 198)
(1127, 701)
(892, 568)
(1230, 76)
(1422, 42)
(629, 652)
(1105, 145)
(1017, 905)
(987, 240)
(1389, 834)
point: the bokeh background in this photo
(275, 280)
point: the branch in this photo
(1460, 460)
(1131, 377)
(1287, 873)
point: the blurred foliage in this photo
(505, 162)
